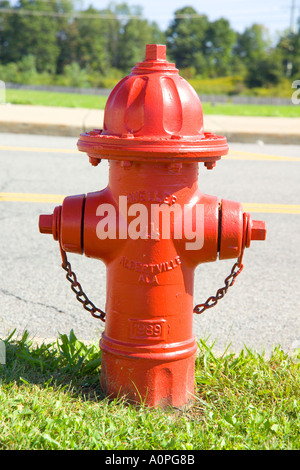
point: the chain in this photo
(76, 287)
(199, 308)
(230, 280)
(90, 307)
(213, 300)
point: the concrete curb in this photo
(253, 138)
(269, 130)
(47, 120)
(71, 122)
(41, 129)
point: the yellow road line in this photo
(37, 149)
(233, 154)
(272, 208)
(27, 197)
(243, 155)
(58, 198)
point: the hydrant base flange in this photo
(151, 382)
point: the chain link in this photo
(77, 289)
(229, 281)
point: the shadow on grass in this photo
(67, 364)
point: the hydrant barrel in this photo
(151, 226)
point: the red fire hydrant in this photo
(151, 227)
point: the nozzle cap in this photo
(46, 223)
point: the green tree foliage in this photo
(296, 54)
(31, 31)
(89, 44)
(219, 43)
(194, 41)
(186, 39)
(132, 35)
(289, 49)
(253, 43)
(263, 62)
(55, 41)
(135, 35)
(265, 71)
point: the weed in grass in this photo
(67, 363)
(50, 398)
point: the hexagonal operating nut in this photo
(256, 230)
(155, 52)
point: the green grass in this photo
(50, 98)
(229, 109)
(50, 398)
(73, 100)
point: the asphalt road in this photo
(260, 311)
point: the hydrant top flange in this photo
(153, 114)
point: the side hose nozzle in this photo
(49, 224)
(237, 230)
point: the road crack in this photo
(26, 301)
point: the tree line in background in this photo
(55, 42)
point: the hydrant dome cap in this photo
(154, 110)
(153, 101)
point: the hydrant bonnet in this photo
(171, 130)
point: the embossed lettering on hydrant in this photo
(149, 271)
(155, 197)
(147, 329)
